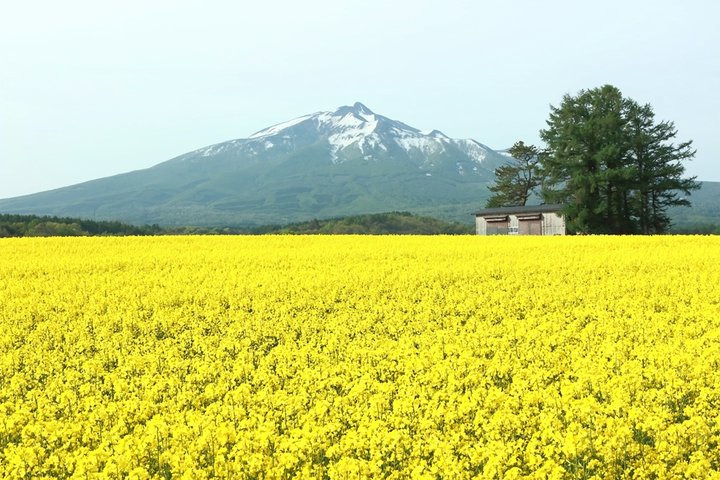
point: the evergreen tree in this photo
(517, 180)
(658, 169)
(585, 158)
(611, 164)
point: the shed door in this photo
(529, 225)
(497, 225)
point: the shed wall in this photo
(551, 224)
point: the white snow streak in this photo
(474, 150)
(419, 142)
(351, 129)
(279, 127)
(359, 129)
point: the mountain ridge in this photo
(326, 164)
(347, 127)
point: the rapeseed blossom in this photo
(360, 357)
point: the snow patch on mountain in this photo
(350, 131)
(353, 129)
(349, 126)
(440, 135)
(213, 149)
(275, 129)
(475, 150)
(419, 142)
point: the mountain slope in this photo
(327, 164)
(703, 215)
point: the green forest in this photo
(390, 223)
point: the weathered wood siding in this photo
(553, 224)
(550, 223)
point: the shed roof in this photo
(544, 208)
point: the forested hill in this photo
(392, 223)
(45, 226)
(372, 224)
(704, 214)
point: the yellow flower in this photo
(359, 357)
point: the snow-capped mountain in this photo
(326, 164)
(353, 132)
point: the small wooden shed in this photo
(528, 220)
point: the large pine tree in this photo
(657, 170)
(517, 180)
(613, 167)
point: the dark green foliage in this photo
(392, 223)
(35, 226)
(612, 165)
(517, 180)
(658, 169)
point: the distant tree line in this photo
(372, 224)
(45, 226)
(696, 228)
(612, 166)
(389, 223)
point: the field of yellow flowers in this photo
(360, 357)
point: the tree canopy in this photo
(518, 179)
(609, 162)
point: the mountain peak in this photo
(438, 134)
(357, 108)
(362, 108)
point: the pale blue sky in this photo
(90, 89)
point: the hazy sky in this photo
(90, 89)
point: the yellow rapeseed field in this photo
(360, 357)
